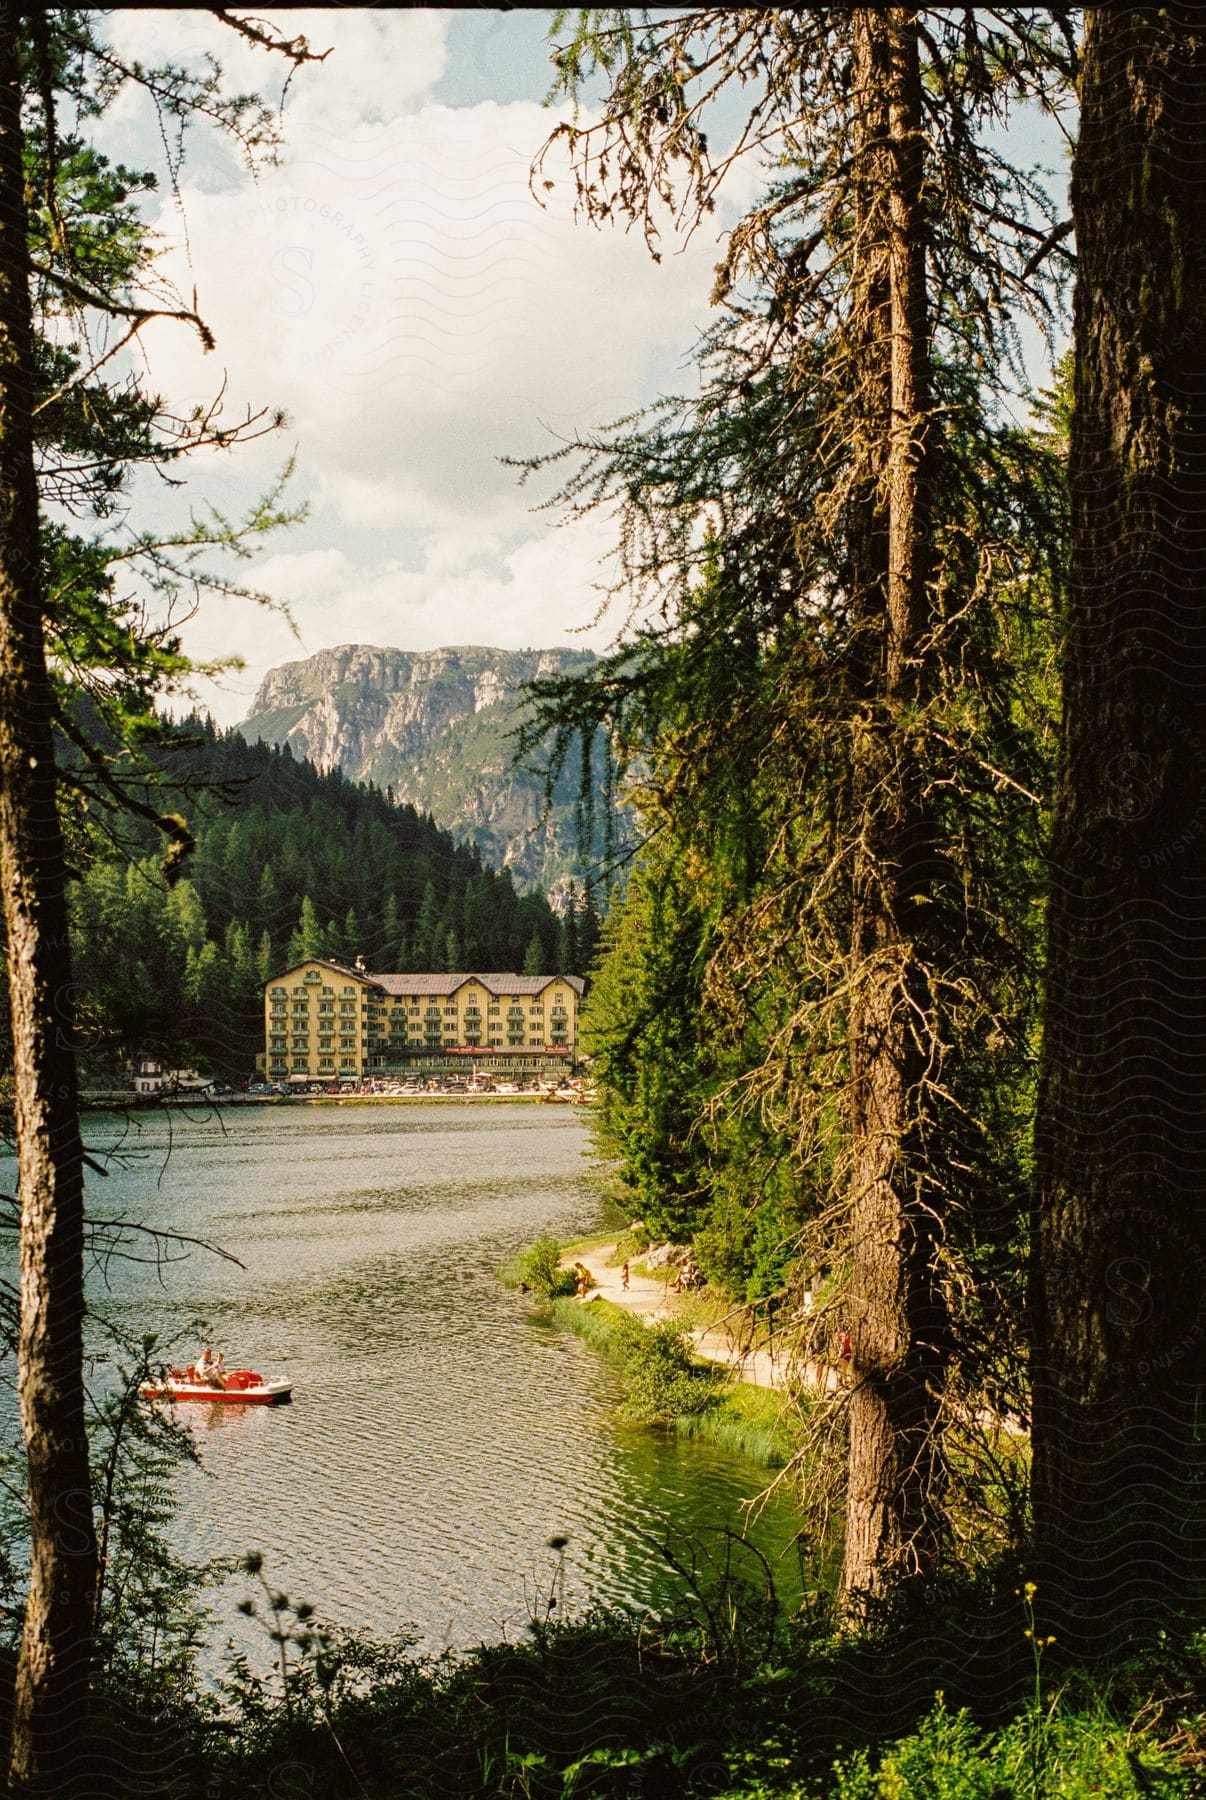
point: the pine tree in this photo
(533, 957)
(826, 710)
(1119, 1350)
(353, 935)
(269, 904)
(428, 950)
(307, 938)
(566, 959)
(56, 1650)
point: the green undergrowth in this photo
(538, 1269)
(666, 1385)
(723, 1697)
(748, 1421)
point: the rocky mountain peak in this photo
(433, 728)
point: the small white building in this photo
(153, 1078)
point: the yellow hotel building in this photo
(325, 1021)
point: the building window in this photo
(450, 1012)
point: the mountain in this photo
(287, 863)
(432, 729)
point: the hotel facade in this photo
(323, 1021)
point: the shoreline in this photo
(650, 1298)
(124, 1102)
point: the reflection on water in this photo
(442, 1429)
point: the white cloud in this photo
(398, 289)
(419, 314)
(380, 62)
(537, 594)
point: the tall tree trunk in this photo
(895, 1494)
(1119, 1276)
(55, 1658)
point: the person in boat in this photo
(208, 1370)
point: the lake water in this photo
(443, 1429)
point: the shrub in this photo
(538, 1267)
(663, 1382)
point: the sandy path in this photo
(650, 1297)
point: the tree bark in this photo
(55, 1659)
(1119, 1270)
(896, 1485)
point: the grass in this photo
(584, 1246)
(748, 1421)
(736, 1417)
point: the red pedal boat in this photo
(242, 1387)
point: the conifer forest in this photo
(896, 986)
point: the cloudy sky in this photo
(395, 288)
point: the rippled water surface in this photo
(442, 1428)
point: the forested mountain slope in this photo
(288, 862)
(432, 729)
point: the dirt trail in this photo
(651, 1297)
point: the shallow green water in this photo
(443, 1429)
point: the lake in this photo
(443, 1429)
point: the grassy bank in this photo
(733, 1415)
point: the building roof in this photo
(495, 983)
(434, 984)
(322, 962)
